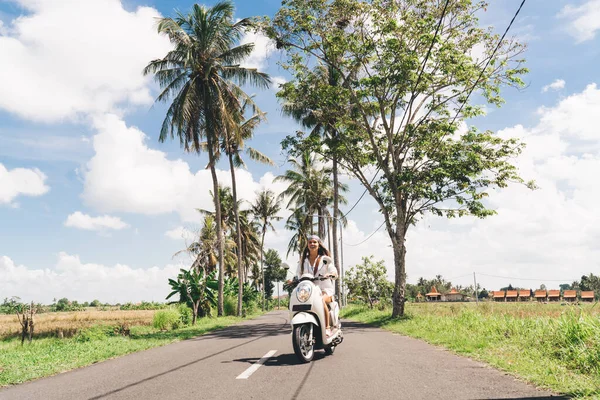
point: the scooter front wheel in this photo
(303, 345)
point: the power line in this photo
(489, 60)
(369, 237)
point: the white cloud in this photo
(21, 181)
(547, 234)
(181, 233)
(83, 221)
(583, 20)
(72, 278)
(69, 58)
(556, 85)
(263, 49)
(125, 175)
(276, 81)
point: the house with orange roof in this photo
(498, 295)
(524, 295)
(420, 297)
(434, 295)
(512, 295)
(587, 296)
(540, 295)
(454, 295)
(570, 296)
(553, 295)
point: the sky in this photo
(92, 206)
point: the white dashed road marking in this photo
(254, 367)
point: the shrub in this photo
(92, 334)
(185, 314)
(166, 319)
(229, 305)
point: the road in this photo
(369, 364)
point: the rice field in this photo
(69, 323)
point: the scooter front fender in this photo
(303, 318)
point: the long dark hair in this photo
(321, 252)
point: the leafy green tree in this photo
(203, 76)
(273, 271)
(191, 286)
(95, 303)
(265, 209)
(405, 77)
(368, 281)
(62, 304)
(12, 305)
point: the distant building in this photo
(498, 295)
(434, 295)
(540, 295)
(454, 295)
(420, 297)
(570, 295)
(512, 295)
(524, 295)
(587, 296)
(553, 295)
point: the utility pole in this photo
(475, 281)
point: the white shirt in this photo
(323, 269)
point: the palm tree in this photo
(204, 248)
(309, 189)
(324, 124)
(227, 219)
(203, 76)
(250, 231)
(300, 225)
(232, 145)
(265, 210)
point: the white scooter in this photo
(308, 319)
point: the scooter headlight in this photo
(303, 292)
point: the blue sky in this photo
(92, 206)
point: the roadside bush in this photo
(144, 305)
(230, 305)
(185, 314)
(166, 319)
(92, 334)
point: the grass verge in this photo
(49, 356)
(557, 352)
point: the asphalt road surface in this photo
(255, 360)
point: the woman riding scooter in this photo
(312, 262)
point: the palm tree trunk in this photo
(262, 271)
(211, 159)
(321, 215)
(239, 238)
(336, 212)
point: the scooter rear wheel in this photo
(303, 347)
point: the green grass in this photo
(553, 347)
(49, 356)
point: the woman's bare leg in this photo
(326, 300)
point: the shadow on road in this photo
(280, 360)
(253, 332)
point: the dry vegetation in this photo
(49, 324)
(530, 309)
